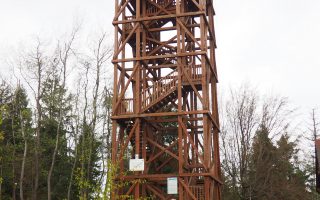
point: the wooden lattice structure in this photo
(165, 100)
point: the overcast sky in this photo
(272, 44)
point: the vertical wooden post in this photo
(115, 94)
(180, 130)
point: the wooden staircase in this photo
(155, 96)
(160, 93)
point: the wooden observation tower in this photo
(165, 115)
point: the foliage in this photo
(260, 160)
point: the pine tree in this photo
(274, 173)
(289, 180)
(261, 166)
(86, 178)
(55, 97)
(16, 132)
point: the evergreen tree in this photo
(289, 180)
(14, 113)
(55, 97)
(274, 174)
(87, 175)
(261, 166)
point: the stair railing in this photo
(159, 89)
(194, 72)
(126, 106)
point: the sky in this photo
(273, 45)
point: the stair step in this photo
(164, 100)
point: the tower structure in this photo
(165, 100)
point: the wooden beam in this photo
(125, 41)
(162, 114)
(125, 88)
(121, 9)
(162, 148)
(158, 194)
(192, 143)
(159, 17)
(186, 188)
(128, 139)
(162, 151)
(160, 56)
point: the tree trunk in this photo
(72, 173)
(64, 55)
(76, 142)
(23, 159)
(38, 108)
(14, 185)
(84, 122)
(53, 161)
(314, 138)
(101, 56)
(22, 168)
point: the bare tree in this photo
(64, 55)
(243, 115)
(276, 115)
(106, 131)
(14, 184)
(85, 89)
(237, 132)
(314, 126)
(75, 131)
(313, 136)
(101, 54)
(32, 69)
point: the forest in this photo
(55, 126)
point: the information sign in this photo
(172, 185)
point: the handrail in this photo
(126, 106)
(159, 89)
(194, 72)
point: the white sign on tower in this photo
(172, 185)
(136, 164)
